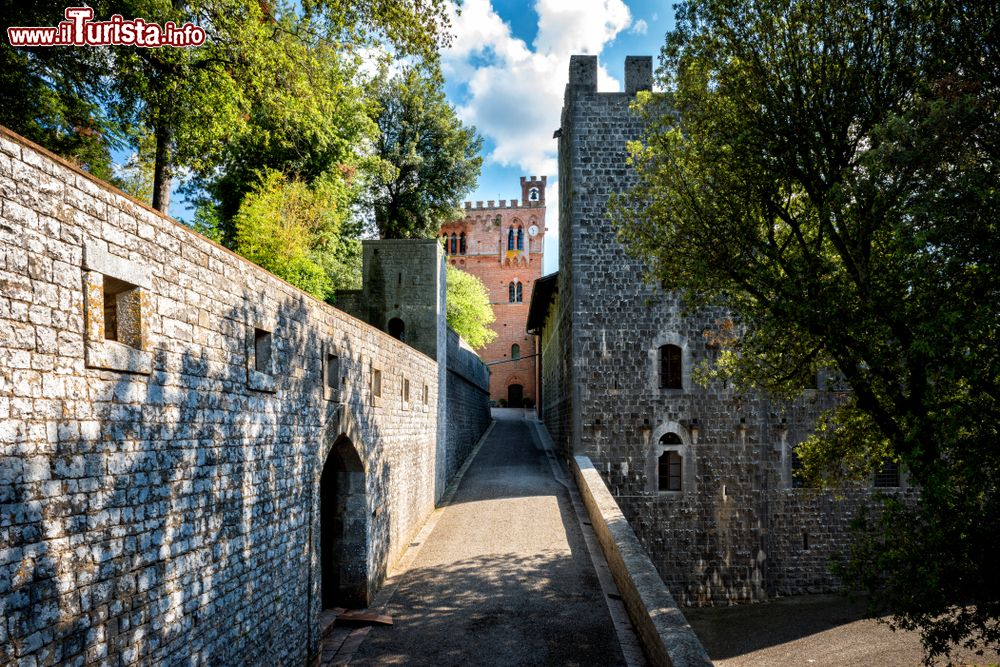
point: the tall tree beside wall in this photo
(828, 171)
(429, 159)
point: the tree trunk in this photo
(163, 169)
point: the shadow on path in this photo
(504, 578)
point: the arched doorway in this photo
(515, 395)
(397, 329)
(343, 536)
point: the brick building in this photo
(501, 244)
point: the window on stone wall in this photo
(519, 293)
(670, 471)
(331, 377)
(669, 464)
(116, 310)
(510, 239)
(461, 244)
(376, 383)
(262, 350)
(887, 476)
(427, 395)
(515, 351)
(511, 292)
(454, 244)
(406, 391)
(533, 194)
(520, 238)
(670, 367)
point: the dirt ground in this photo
(813, 630)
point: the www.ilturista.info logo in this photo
(80, 30)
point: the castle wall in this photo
(159, 493)
(468, 404)
(735, 531)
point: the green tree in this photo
(53, 96)
(828, 172)
(468, 308)
(430, 160)
(301, 233)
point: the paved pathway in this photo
(504, 577)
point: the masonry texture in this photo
(167, 413)
(501, 243)
(734, 530)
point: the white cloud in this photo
(640, 27)
(515, 92)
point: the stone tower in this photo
(501, 243)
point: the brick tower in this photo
(501, 244)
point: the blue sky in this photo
(505, 73)
(507, 69)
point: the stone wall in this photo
(468, 403)
(166, 413)
(735, 531)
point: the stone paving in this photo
(504, 577)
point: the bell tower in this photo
(533, 190)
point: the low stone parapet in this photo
(664, 633)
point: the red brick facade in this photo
(495, 243)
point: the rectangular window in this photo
(262, 351)
(670, 367)
(332, 371)
(797, 482)
(670, 471)
(887, 476)
(406, 391)
(376, 383)
(426, 395)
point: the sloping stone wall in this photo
(468, 404)
(166, 410)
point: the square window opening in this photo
(121, 304)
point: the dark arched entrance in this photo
(515, 395)
(397, 329)
(343, 537)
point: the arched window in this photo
(533, 194)
(515, 351)
(454, 244)
(461, 243)
(669, 464)
(511, 292)
(444, 238)
(510, 239)
(670, 367)
(520, 238)
(396, 328)
(520, 293)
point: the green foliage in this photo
(827, 171)
(53, 96)
(301, 233)
(468, 308)
(429, 159)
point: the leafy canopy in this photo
(429, 159)
(468, 308)
(301, 233)
(828, 172)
